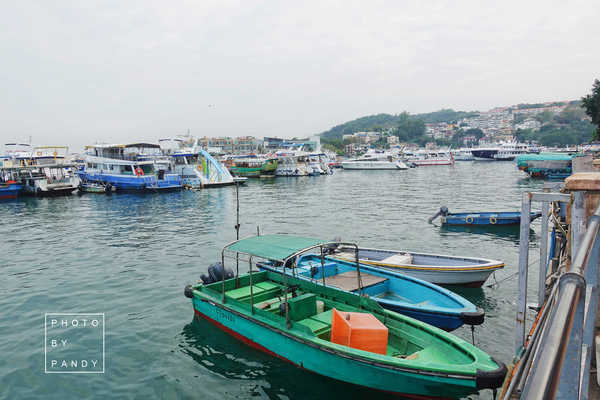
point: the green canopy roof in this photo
(274, 247)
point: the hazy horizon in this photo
(76, 73)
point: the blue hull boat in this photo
(482, 218)
(397, 292)
(9, 190)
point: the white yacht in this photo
(502, 152)
(292, 163)
(375, 159)
(430, 157)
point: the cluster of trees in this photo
(407, 127)
(566, 128)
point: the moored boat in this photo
(375, 160)
(434, 268)
(129, 167)
(422, 158)
(318, 328)
(397, 292)
(253, 166)
(9, 189)
(482, 218)
(94, 187)
(546, 165)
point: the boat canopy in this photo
(275, 247)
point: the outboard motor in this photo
(216, 273)
(443, 211)
(331, 248)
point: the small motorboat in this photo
(9, 189)
(397, 292)
(482, 218)
(434, 268)
(331, 332)
(95, 187)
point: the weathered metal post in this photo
(578, 224)
(523, 263)
(543, 255)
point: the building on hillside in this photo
(392, 140)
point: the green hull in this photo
(445, 366)
(268, 167)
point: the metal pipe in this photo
(285, 296)
(322, 267)
(543, 255)
(251, 288)
(360, 288)
(523, 263)
(544, 380)
(577, 223)
(223, 274)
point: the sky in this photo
(81, 72)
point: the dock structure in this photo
(557, 342)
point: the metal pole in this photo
(523, 263)
(322, 266)
(543, 255)
(251, 289)
(223, 274)
(237, 233)
(285, 296)
(358, 271)
(577, 223)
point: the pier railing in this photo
(553, 362)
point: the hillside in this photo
(386, 121)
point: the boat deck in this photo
(348, 280)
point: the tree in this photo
(591, 104)
(478, 133)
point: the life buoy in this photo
(493, 220)
(469, 220)
(139, 171)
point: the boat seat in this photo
(319, 323)
(399, 259)
(261, 291)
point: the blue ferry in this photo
(129, 167)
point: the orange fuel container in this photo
(359, 330)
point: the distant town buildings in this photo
(363, 137)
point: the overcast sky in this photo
(115, 71)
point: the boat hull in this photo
(10, 191)
(328, 362)
(487, 218)
(433, 268)
(406, 295)
(372, 165)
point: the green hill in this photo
(387, 121)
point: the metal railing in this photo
(555, 362)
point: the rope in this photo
(497, 283)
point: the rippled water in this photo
(129, 256)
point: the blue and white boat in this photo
(482, 218)
(129, 167)
(196, 166)
(401, 293)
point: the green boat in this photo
(254, 166)
(298, 321)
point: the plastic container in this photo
(360, 331)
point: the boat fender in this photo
(282, 308)
(188, 292)
(474, 317)
(493, 220)
(491, 379)
(108, 188)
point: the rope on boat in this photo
(497, 283)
